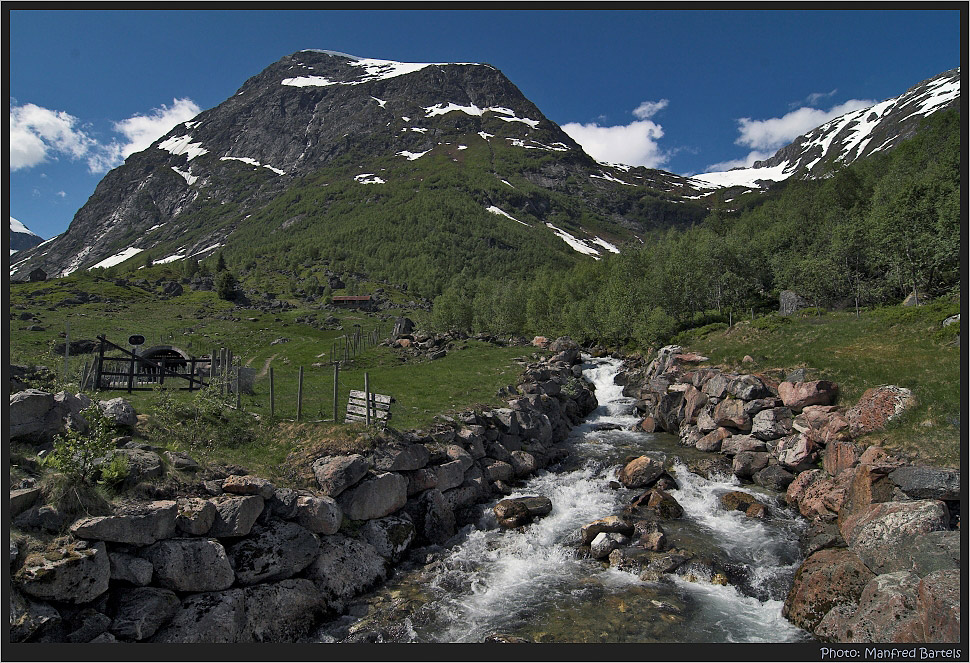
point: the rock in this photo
(540, 342)
(345, 568)
(21, 499)
(521, 510)
(143, 465)
(883, 534)
(886, 612)
(748, 388)
(31, 412)
(825, 422)
(391, 536)
(210, 617)
(803, 481)
(737, 500)
(730, 413)
(182, 461)
(640, 472)
(818, 536)
(139, 525)
(42, 518)
(694, 402)
(610, 524)
(606, 542)
(747, 463)
(877, 407)
(376, 497)
(397, 458)
(335, 474)
(89, 624)
(433, 520)
(938, 604)
(190, 565)
(824, 498)
(282, 505)
(659, 502)
(277, 551)
(797, 452)
(798, 395)
(774, 477)
(283, 611)
(235, 515)
(827, 579)
(30, 618)
(195, 516)
(456, 453)
(120, 412)
(713, 440)
(497, 470)
(321, 515)
(838, 456)
(142, 611)
(922, 482)
(735, 444)
(647, 425)
(772, 423)
(523, 463)
(717, 467)
(422, 480)
(129, 568)
(248, 485)
(75, 573)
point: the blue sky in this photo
(688, 91)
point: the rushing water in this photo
(529, 583)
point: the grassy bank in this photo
(907, 347)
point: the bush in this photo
(685, 337)
(78, 455)
(770, 323)
(226, 286)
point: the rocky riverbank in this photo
(882, 552)
(238, 559)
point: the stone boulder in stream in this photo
(521, 510)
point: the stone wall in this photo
(244, 560)
(883, 547)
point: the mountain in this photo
(406, 171)
(21, 237)
(847, 138)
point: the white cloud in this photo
(648, 109)
(634, 144)
(37, 133)
(143, 130)
(776, 132)
(62, 194)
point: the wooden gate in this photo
(132, 372)
(379, 410)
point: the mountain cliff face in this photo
(848, 138)
(454, 140)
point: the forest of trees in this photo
(871, 234)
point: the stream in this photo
(529, 584)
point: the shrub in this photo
(770, 323)
(78, 455)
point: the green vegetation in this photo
(77, 455)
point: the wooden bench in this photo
(380, 407)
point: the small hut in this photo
(353, 301)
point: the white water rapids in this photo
(529, 583)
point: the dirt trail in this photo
(266, 366)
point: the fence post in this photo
(131, 372)
(272, 395)
(100, 365)
(299, 397)
(67, 345)
(336, 377)
(238, 396)
(366, 399)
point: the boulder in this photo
(139, 525)
(235, 515)
(195, 516)
(735, 444)
(829, 578)
(887, 611)
(277, 551)
(390, 536)
(694, 402)
(772, 423)
(142, 611)
(400, 457)
(376, 497)
(606, 542)
(119, 411)
(610, 524)
(21, 499)
(32, 413)
(523, 463)
(714, 468)
(210, 617)
(640, 472)
(190, 565)
(748, 388)
(737, 500)
(521, 510)
(30, 618)
(923, 482)
(797, 452)
(774, 477)
(248, 485)
(421, 480)
(74, 573)
(883, 534)
(798, 395)
(434, 520)
(730, 413)
(747, 463)
(345, 568)
(131, 569)
(282, 611)
(877, 407)
(938, 604)
(143, 465)
(321, 515)
(497, 470)
(182, 461)
(656, 501)
(335, 474)
(713, 440)
(838, 456)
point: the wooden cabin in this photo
(353, 301)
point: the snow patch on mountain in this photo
(17, 227)
(411, 156)
(253, 162)
(183, 145)
(373, 70)
(188, 177)
(117, 258)
(574, 242)
(369, 178)
(495, 210)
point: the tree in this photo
(226, 286)
(220, 263)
